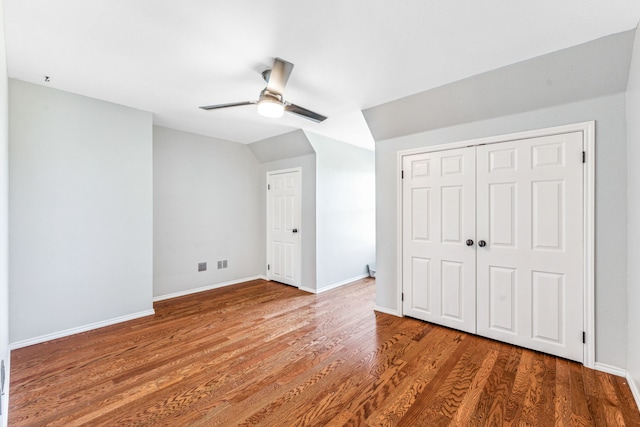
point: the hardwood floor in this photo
(261, 353)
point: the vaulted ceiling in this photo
(170, 57)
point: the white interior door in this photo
(283, 227)
(438, 218)
(530, 272)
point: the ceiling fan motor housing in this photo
(267, 96)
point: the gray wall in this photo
(633, 276)
(80, 211)
(4, 220)
(611, 205)
(206, 206)
(308, 226)
(345, 210)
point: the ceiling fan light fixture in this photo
(270, 108)
(271, 103)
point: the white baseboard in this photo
(342, 283)
(634, 389)
(609, 369)
(73, 331)
(333, 285)
(206, 288)
(387, 310)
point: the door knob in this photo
(469, 242)
(295, 230)
(482, 243)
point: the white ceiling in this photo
(169, 57)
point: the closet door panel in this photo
(530, 273)
(438, 195)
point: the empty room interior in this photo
(334, 213)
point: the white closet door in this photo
(530, 273)
(438, 218)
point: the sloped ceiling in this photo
(285, 146)
(589, 70)
(170, 57)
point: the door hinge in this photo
(268, 266)
(584, 157)
(402, 296)
(584, 337)
(268, 186)
(401, 174)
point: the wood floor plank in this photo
(562, 400)
(593, 397)
(423, 365)
(580, 409)
(628, 405)
(262, 353)
(356, 370)
(421, 402)
(491, 405)
(460, 387)
(471, 397)
(379, 389)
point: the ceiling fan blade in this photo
(232, 104)
(279, 75)
(303, 112)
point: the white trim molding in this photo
(79, 329)
(206, 288)
(342, 283)
(333, 285)
(588, 181)
(589, 209)
(610, 369)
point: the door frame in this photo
(588, 211)
(298, 253)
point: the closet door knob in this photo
(482, 243)
(469, 242)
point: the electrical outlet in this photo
(202, 266)
(224, 263)
(219, 265)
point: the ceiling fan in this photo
(271, 102)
